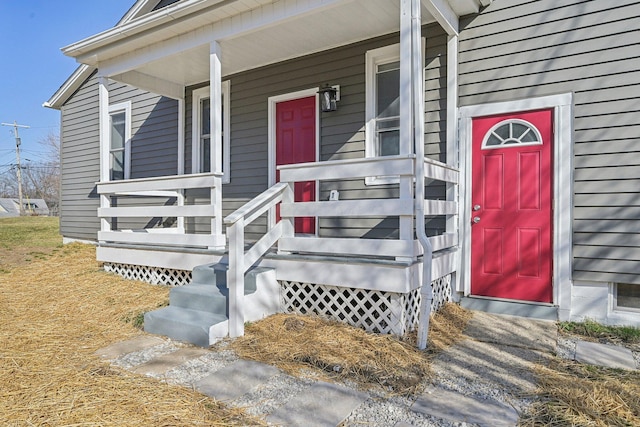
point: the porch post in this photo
(215, 85)
(105, 144)
(453, 153)
(406, 116)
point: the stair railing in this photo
(239, 260)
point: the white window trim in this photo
(118, 108)
(373, 58)
(562, 104)
(197, 96)
(613, 292)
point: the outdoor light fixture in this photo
(329, 97)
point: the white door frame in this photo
(562, 204)
(273, 100)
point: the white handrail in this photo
(239, 260)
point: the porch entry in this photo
(511, 202)
(295, 125)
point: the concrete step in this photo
(512, 308)
(199, 297)
(216, 274)
(183, 324)
(210, 274)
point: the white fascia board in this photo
(144, 23)
(444, 14)
(138, 9)
(69, 87)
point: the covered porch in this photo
(198, 43)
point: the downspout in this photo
(417, 67)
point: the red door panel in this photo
(296, 143)
(511, 231)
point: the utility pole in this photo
(19, 170)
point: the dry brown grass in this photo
(446, 327)
(572, 394)
(299, 344)
(54, 314)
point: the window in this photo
(382, 129)
(627, 297)
(513, 132)
(120, 141)
(383, 101)
(201, 128)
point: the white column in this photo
(453, 153)
(406, 116)
(215, 86)
(105, 144)
(216, 107)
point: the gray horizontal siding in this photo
(80, 164)
(523, 48)
(154, 151)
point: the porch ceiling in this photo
(251, 33)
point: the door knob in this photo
(476, 219)
(476, 207)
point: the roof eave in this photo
(147, 22)
(69, 87)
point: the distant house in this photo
(361, 150)
(11, 207)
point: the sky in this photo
(32, 67)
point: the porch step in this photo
(198, 312)
(513, 308)
(199, 297)
(183, 324)
(216, 274)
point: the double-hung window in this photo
(201, 128)
(120, 141)
(383, 101)
(382, 130)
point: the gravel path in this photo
(481, 367)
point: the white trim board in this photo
(562, 105)
(271, 157)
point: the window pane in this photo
(205, 151)
(388, 91)
(628, 296)
(205, 108)
(389, 143)
(117, 165)
(504, 131)
(117, 130)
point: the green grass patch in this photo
(592, 329)
(30, 232)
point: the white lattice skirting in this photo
(153, 275)
(375, 311)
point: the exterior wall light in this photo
(329, 97)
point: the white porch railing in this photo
(161, 189)
(283, 232)
(239, 260)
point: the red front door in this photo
(296, 143)
(511, 230)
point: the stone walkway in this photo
(479, 381)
